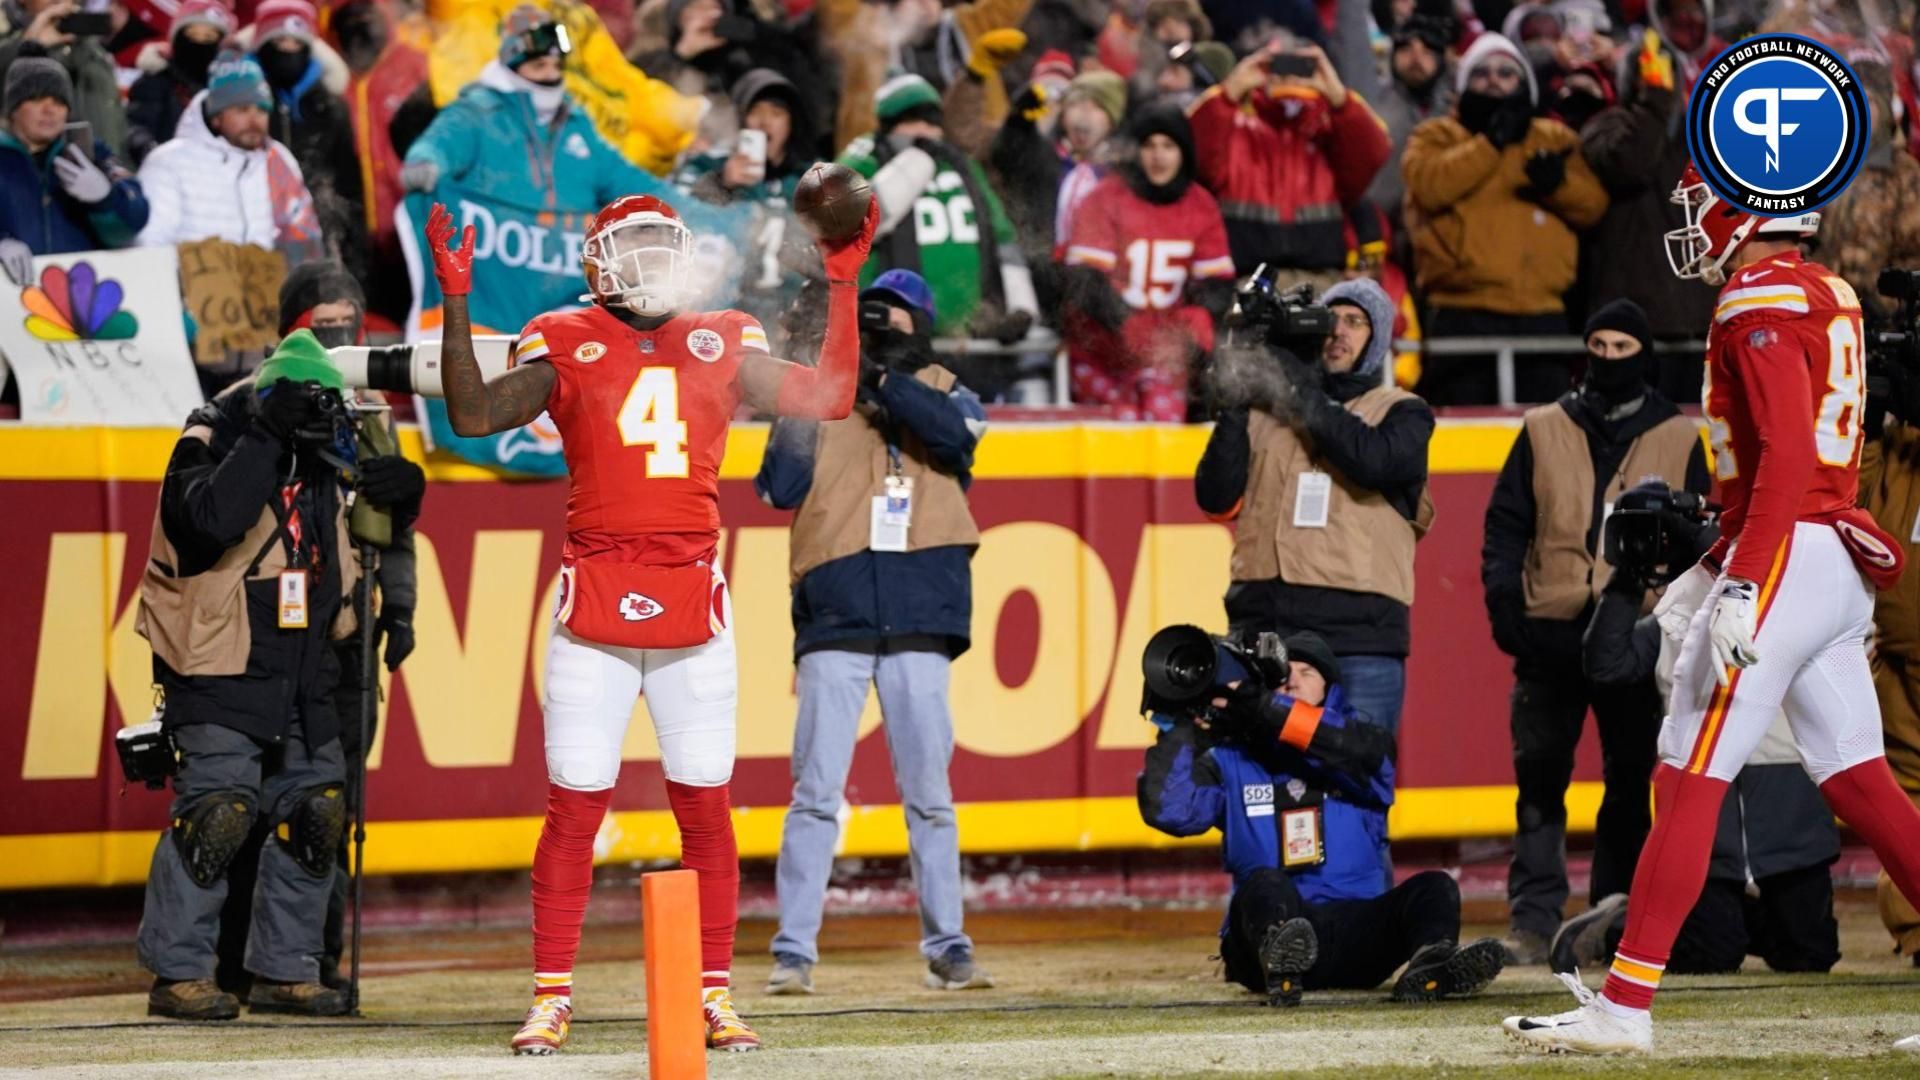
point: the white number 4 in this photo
(651, 416)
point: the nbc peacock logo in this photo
(76, 304)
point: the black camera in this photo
(1186, 668)
(1654, 531)
(146, 752)
(1899, 344)
(1283, 318)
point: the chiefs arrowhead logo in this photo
(637, 608)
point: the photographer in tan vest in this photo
(1328, 488)
(882, 597)
(247, 589)
(1543, 572)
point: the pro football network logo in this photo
(1778, 125)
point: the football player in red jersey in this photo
(1777, 614)
(642, 393)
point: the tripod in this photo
(357, 771)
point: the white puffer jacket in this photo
(200, 186)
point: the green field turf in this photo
(1084, 994)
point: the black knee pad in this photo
(209, 832)
(312, 829)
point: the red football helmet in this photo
(636, 256)
(1716, 229)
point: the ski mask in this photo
(285, 68)
(192, 58)
(1616, 382)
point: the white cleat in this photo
(1589, 1029)
(1909, 1045)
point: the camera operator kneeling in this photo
(244, 593)
(1299, 788)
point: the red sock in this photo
(708, 849)
(1869, 799)
(1666, 881)
(562, 879)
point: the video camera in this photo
(1654, 526)
(1186, 668)
(1283, 318)
(1901, 344)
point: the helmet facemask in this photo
(640, 264)
(1690, 248)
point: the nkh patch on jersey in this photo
(706, 345)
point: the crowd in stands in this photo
(1092, 172)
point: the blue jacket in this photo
(876, 595)
(36, 210)
(489, 140)
(1188, 789)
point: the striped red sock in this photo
(707, 848)
(1666, 881)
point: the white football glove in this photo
(1682, 598)
(1732, 627)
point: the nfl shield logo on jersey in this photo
(1778, 125)
(637, 608)
(706, 344)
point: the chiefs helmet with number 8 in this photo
(1716, 229)
(636, 255)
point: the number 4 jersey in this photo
(1783, 396)
(643, 416)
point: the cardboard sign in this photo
(98, 339)
(232, 292)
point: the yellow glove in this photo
(1032, 103)
(993, 49)
(1656, 65)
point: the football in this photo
(831, 200)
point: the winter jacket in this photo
(1241, 786)
(1402, 111)
(373, 99)
(1637, 150)
(1873, 224)
(874, 596)
(36, 210)
(1285, 166)
(311, 120)
(1478, 241)
(96, 86)
(1390, 458)
(224, 480)
(850, 27)
(489, 140)
(1550, 648)
(200, 186)
(645, 119)
(155, 102)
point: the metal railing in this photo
(1505, 349)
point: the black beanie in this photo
(314, 283)
(1312, 650)
(34, 75)
(1626, 317)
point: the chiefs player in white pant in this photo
(1777, 614)
(642, 394)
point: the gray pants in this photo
(181, 920)
(913, 703)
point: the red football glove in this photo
(844, 257)
(452, 266)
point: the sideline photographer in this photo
(1264, 745)
(880, 560)
(1890, 491)
(1325, 471)
(247, 587)
(1542, 569)
(1769, 892)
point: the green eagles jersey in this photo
(946, 225)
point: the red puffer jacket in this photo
(1285, 165)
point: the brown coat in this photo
(1477, 242)
(1875, 223)
(1366, 546)
(850, 468)
(857, 34)
(1561, 576)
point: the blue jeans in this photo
(1377, 688)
